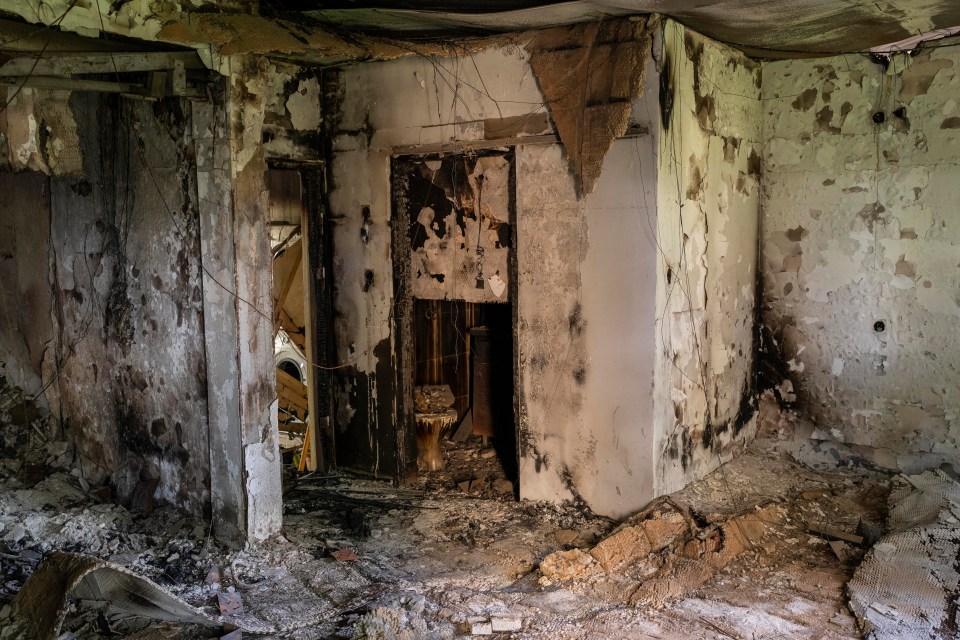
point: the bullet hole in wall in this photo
(879, 326)
(879, 117)
(367, 279)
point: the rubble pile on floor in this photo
(662, 552)
(361, 559)
(906, 586)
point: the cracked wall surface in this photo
(708, 195)
(861, 290)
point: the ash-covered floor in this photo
(361, 559)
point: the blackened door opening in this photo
(454, 284)
(468, 346)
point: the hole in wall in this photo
(879, 326)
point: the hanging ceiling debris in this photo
(347, 30)
(802, 26)
(590, 75)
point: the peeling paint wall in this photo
(459, 211)
(39, 132)
(585, 284)
(708, 195)
(861, 261)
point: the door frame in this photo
(316, 270)
(403, 347)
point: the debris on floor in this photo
(906, 586)
(663, 552)
(41, 604)
(362, 559)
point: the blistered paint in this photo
(708, 210)
(860, 249)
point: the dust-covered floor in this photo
(456, 553)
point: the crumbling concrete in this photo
(907, 584)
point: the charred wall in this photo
(861, 287)
(106, 321)
(136, 246)
(708, 212)
(585, 268)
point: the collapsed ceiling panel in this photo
(802, 26)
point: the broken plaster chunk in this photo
(505, 623)
(622, 548)
(663, 531)
(477, 626)
(569, 565)
(565, 536)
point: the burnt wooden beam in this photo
(69, 64)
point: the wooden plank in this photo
(288, 380)
(292, 398)
(294, 427)
(70, 84)
(835, 534)
(291, 394)
(66, 64)
(291, 278)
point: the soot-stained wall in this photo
(601, 343)
(861, 251)
(108, 295)
(134, 240)
(627, 388)
(708, 195)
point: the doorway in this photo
(300, 317)
(454, 280)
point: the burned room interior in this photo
(527, 319)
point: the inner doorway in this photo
(300, 320)
(455, 288)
